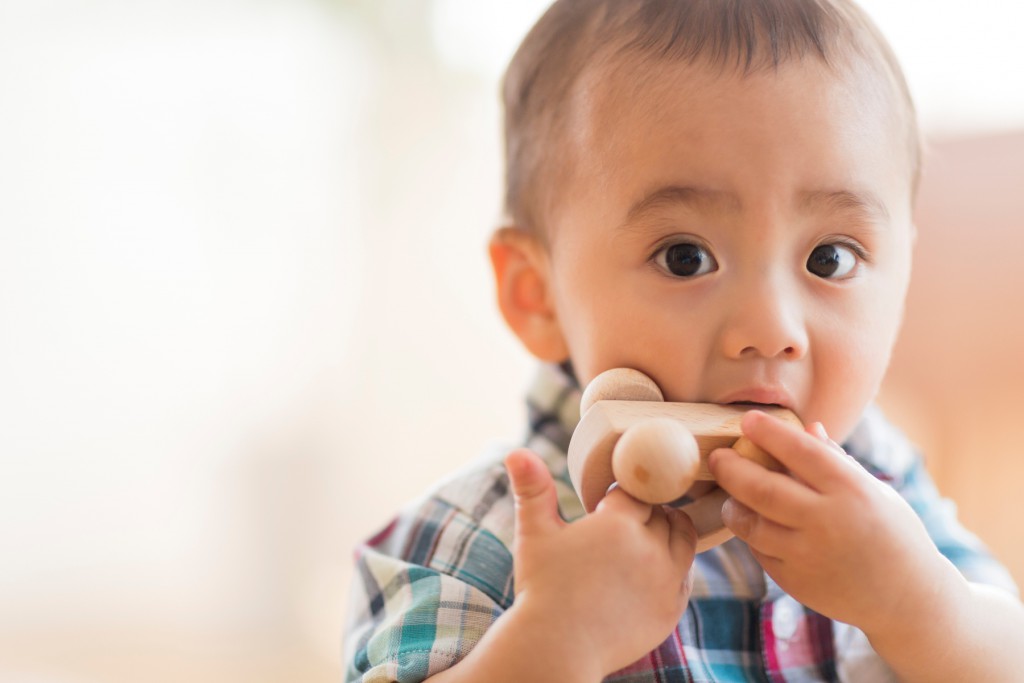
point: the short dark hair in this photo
(748, 35)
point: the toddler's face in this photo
(737, 238)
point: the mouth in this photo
(759, 397)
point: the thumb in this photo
(534, 491)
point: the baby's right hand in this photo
(610, 587)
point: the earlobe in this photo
(522, 278)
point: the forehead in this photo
(635, 124)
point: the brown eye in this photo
(685, 259)
(832, 261)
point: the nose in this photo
(766, 320)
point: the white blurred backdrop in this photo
(245, 309)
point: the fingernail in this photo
(728, 510)
(734, 516)
(819, 431)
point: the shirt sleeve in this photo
(412, 621)
(425, 591)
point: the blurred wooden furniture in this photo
(956, 382)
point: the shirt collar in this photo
(553, 405)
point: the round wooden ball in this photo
(656, 460)
(620, 384)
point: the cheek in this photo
(613, 322)
(850, 361)
(589, 313)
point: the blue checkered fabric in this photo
(429, 585)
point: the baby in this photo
(718, 194)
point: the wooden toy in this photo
(656, 451)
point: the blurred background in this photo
(245, 309)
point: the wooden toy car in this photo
(657, 451)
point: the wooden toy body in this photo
(713, 426)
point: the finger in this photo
(534, 491)
(772, 494)
(818, 429)
(682, 543)
(772, 566)
(619, 502)
(758, 532)
(804, 455)
(687, 589)
(658, 525)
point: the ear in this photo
(523, 279)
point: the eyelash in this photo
(841, 259)
(853, 246)
(858, 250)
(707, 260)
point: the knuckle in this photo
(525, 495)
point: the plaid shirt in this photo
(433, 581)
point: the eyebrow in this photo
(862, 204)
(679, 194)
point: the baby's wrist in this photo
(934, 601)
(555, 641)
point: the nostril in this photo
(787, 352)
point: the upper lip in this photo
(765, 395)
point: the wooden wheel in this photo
(655, 450)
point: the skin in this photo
(760, 321)
(773, 166)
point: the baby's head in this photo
(715, 193)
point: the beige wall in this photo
(958, 370)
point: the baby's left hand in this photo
(829, 533)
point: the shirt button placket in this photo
(784, 622)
